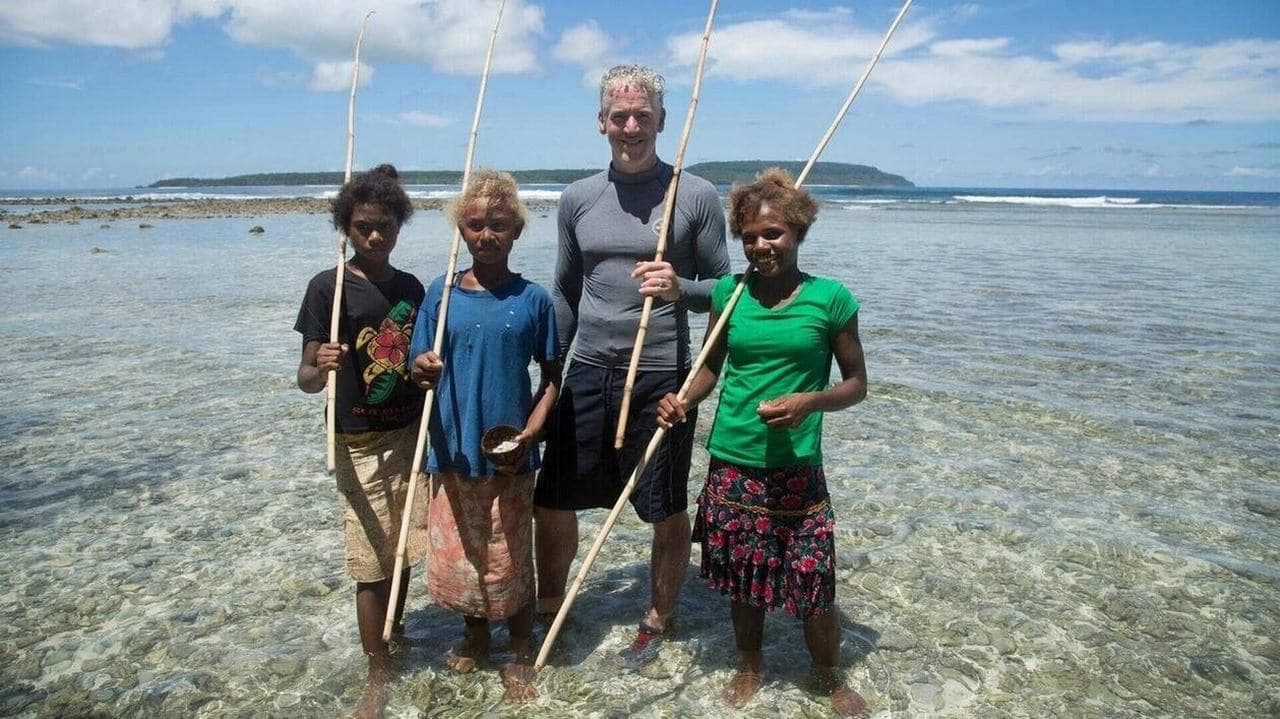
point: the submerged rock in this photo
(896, 640)
(1265, 507)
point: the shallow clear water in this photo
(1061, 498)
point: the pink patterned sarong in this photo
(480, 560)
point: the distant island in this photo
(720, 173)
(823, 173)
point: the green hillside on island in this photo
(823, 173)
(720, 173)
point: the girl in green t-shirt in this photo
(764, 516)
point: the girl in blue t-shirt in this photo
(480, 517)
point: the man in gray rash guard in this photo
(608, 233)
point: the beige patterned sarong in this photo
(481, 544)
(372, 469)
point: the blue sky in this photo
(1167, 94)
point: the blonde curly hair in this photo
(497, 188)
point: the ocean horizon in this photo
(1083, 198)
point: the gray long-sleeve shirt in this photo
(607, 223)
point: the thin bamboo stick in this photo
(668, 213)
(331, 382)
(658, 435)
(713, 337)
(429, 400)
(857, 88)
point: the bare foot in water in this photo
(744, 685)
(471, 651)
(846, 701)
(399, 640)
(849, 703)
(518, 679)
(374, 701)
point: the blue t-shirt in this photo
(489, 341)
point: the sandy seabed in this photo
(1059, 499)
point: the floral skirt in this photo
(768, 536)
(481, 544)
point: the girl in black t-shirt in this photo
(377, 407)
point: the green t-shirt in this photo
(773, 352)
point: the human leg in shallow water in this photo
(822, 636)
(748, 636)
(555, 536)
(474, 647)
(371, 615)
(668, 560)
(517, 676)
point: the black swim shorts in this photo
(582, 470)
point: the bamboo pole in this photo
(658, 435)
(331, 382)
(429, 401)
(668, 214)
(857, 88)
(713, 337)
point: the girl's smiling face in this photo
(770, 243)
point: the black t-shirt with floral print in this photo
(376, 324)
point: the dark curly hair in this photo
(381, 186)
(774, 187)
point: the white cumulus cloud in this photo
(129, 24)
(36, 176)
(59, 84)
(582, 44)
(588, 47)
(334, 76)
(1236, 80)
(450, 35)
(812, 48)
(952, 48)
(1089, 80)
(1239, 171)
(1049, 170)
(423, 119)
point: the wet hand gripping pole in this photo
(331, 382)
(407, 510)
(713, 336)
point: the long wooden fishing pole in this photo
(429, 401)
(331, 382)
(668, 214)
(713, 336)
(554, 630)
